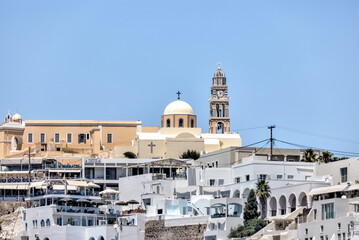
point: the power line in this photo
(317, 134)
(330, 150)
(251, 128)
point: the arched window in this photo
(180, 122)
(91, 238)
(101, 238)
(168, 123)
(42, 223)
(192, 123)
(48, 223)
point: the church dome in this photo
(219, 73)
(16, 117)
(178, 107)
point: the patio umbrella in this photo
(93, 185)
(109, 191)
(132, 202)
(121, 203)
(82, 201)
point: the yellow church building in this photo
(124, 139)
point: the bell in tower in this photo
(219, 103)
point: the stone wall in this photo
(9, 207)
(10, 225)
(156, 230)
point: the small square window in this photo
(247, 178)
(212, 182)
(220, 182)
(279, 176)
(290, 176)
(238, 180)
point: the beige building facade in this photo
(124, 139)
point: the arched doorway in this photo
(237, 194)
(282, 205)
(292, 200)
(273, 206)
(245, 193)
(302, 199)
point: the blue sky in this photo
(294, 64)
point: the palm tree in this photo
(309, 155)
(263, 192)
(326, 157)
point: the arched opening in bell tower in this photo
(220, 127)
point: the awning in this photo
(77, 183)
(353, 187)
(354, 203)
(37, 184)
(14, 186)
(186, 189)
(62, 187)
(330, 189)
(93, 185)
(65, 170)
(14, 172)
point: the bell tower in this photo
(219, 103)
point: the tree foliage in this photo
(263, 192)
(190, 154)
(249, 228)
(251, 207)
(309, 156)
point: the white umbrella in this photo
(109, 191)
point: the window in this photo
(220, 182)
(42, 137)
(192, 123)
(247, 178)
(29, 138)
(111, 173)
(321, 228)
(290, 176)
(57, 137)
(168, 123)
(59, 221)
(262, 176)
(238, 180)
(25, 226)
(339, 236)
(109, 138)
(87, 136)
(339, 226)
(216, 164)
(306, 231)
(82, 138)
(34, 223)
(279, 176)
(212, 182)
(180, 122)
(48, 223)
(327, 211)
(343, 236)
(42, 223)
(69, 138)
(344, 174)
(315, 214)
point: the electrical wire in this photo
(342, 153)
(317, 134)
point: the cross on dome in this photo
(179, 95)
(219, 64)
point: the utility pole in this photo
(271, 140)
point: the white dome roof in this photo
(178, 107)
(16, 116)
